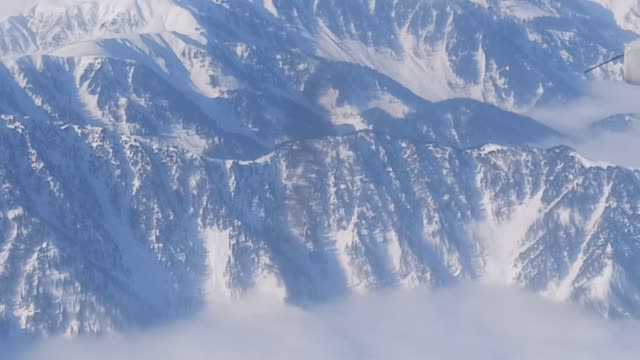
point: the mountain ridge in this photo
(270, 148)
(254, 200)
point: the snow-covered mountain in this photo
(159, 156)
(625, 12)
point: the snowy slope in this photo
(131, 233)
(159, 156)
(514, 54)
(626, 13)
(229, 55)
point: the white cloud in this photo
(604, 99)
(621, 149)
(468, 322)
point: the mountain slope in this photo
(130, 232)
(239, 59)
(158, 157)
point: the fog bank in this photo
(468, 322)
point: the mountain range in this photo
(158, 157)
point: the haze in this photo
(468, 322)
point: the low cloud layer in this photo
(11, 8)
(604, 99)
(610, 148)
(469, 322)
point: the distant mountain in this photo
(158, 156)
(619, 123)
